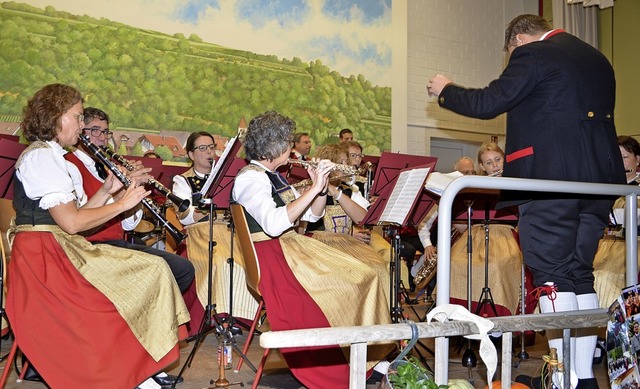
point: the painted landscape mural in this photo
(150, 81)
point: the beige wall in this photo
(461, 39)
(619, 33)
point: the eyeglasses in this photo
(204, 148)
(98, 132)
(354, 155)
(79, 117)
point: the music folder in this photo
(10, 150)
(218, 185)
(403, 201)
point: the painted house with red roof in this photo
(150, 142)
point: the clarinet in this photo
(173, 231)
(180, 203)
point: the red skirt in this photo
(72, 333)
(290, 307)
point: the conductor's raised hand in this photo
(437, 83)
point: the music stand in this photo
(10, 150)
(168, 171)
(389, 166)
(216, 191)
(484, 202)
(401, 202)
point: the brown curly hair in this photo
(41, 116)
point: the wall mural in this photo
(183, 66)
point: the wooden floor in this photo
(204, 369)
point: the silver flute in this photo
(339, 167)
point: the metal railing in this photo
(359, 337)
(445, 206)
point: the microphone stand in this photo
(211, 319)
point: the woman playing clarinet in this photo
(113, 316)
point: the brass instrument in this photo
(173, 231)
(180, 203)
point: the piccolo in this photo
(173, 231)
(496, 174)
(180, 203)
(339, 167)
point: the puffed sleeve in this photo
(252, 189)
(182, 189)
(45, 175)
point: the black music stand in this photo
(484, 202)
(402, 202)
(216, 192)
(389, 166)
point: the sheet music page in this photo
(405, 192)
(216, 169)
(437, 182)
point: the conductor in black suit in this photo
(559, 95)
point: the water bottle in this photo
(225, 354)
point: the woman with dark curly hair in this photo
(116, 315)
(304, 283)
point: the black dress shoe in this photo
(587, 383)
(167, 380)
(532, 382)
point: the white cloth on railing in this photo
(487, 349)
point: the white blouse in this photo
(129, 223)
(252, 189)
(49, 178)
(182, 189)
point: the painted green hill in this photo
(147, 79)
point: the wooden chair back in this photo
(251, 264)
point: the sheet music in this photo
(437, 182)
(219, 163)
(405, 192)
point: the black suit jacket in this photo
(559, 95)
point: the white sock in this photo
(586, 345)
(564, 301)
(149, 384)
(161, 374)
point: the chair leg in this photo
(252, 331)
(260, 369)
(8, 364)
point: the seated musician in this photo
(345, 204)
(505, 256)
(304, 283)
(93, 172)
(117, 313)
(609, 261)
(424, 269)
(201, 150)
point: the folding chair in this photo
(252, 270)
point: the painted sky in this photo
(349, 36)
